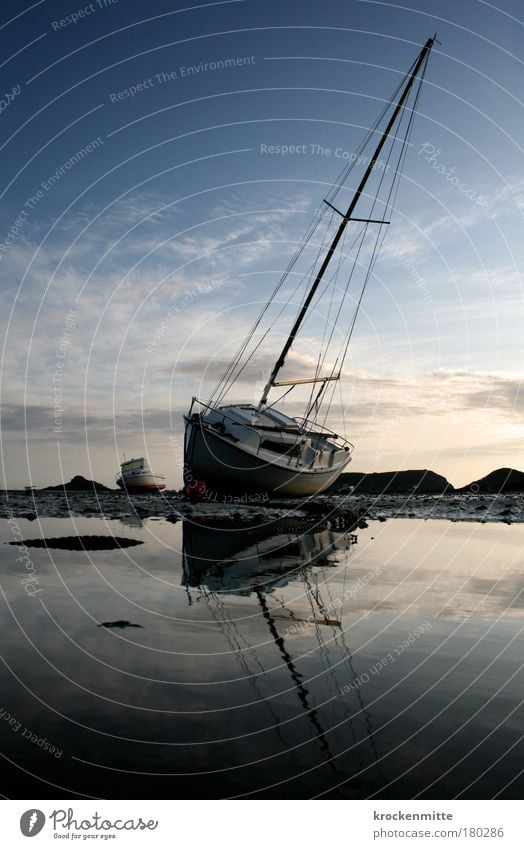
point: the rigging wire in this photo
(389, 204)
(235, 367)
(348, 282)
(333, 283)
(315, 222)
(225, 381)
(231, 376)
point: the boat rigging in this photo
(257, 447)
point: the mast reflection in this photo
(260, 563)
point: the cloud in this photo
(143, 258)
(37, 422)
(478, 390)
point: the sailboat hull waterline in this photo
(257, 449)
(226, 468)
(234, 449)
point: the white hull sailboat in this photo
(257, 448)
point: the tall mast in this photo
(343, 224)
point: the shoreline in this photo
(173, 506)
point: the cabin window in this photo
(294, 450)
(132, 464)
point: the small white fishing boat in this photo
(256, 447)
(135, 476)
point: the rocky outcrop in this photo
(500, 480)
(80, 484)
(421, 481)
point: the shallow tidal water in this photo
(208, 663)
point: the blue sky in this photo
(140, 209)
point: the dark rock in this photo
(420, 481)
(79, 484)
(93, 542)
(500, 480)
(120, 623)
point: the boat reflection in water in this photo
(240, 561)
(260, 564)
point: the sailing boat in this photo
(257, 447)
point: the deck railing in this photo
(309, 426)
